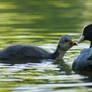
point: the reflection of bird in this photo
(83, 63)
(27, 52)
(63, 66)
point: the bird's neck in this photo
(59, 52)
(90, 44)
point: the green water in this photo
(42, 23)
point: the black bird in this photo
(20, 52)
(83, 63)
(87, 34)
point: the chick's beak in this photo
(73, 43)
(81, 39)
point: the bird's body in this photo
(83, 63)
(20, 53)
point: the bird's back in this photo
(18, 52)
(84, 61)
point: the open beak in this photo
(81, 39)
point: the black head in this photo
(87, 33)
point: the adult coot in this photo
(18, 53)
(83, 63)
(86, 34)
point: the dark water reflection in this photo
(42, 23)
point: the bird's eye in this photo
(66, 40)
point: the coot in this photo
(83, 63)
(21, 52)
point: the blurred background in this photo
(42, 23)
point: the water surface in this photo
(42, 23)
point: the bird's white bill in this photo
(81, 39)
